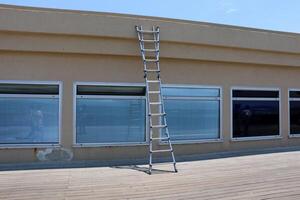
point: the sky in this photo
(280, 15)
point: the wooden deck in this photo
(265, 176)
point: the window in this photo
(255, 113)
(29, 113)
(110, 114)
(192, 113)
(294, 101)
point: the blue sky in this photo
(282, 15)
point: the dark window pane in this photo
(294, 117)
(111, 90)
(294, 94)
(255, 118)
(255, 94)
(7, 88)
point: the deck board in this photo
(264, 176)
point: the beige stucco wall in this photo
(69, 46)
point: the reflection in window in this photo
(110, 115)
(192, 113)
(29, 118)
(294, 112)
(255, 115)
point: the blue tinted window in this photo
(190, 92)
(29, 120)
(255, 118)
(110, 120)
(193, 119)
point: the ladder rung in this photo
(164, 162)
(154, 92)
(160, 138)
(162, 150)
(150, 50)
(151, 60)
(159, 126)
(157, 114)
(152, 70)
(149, 40)
(155, 103)
(153, 81)
(146, 31)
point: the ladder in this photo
(149, 46)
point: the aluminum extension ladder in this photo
(149, 46)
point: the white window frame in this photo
(75, 96)
(254, 138)
(289, 112)
(220, 99)
(59, 96)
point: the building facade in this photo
(72, 87)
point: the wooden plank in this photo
(267, 176)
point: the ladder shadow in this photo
(144, 169)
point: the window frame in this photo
(97, 144)
(254, 138)
(59, 97)
(289, 112)
(220, 99)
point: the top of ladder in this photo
(140, 30)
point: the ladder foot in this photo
(175, 168)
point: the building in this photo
(72, 86)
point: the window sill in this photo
(241, 139)
(294, 135)
(27, 146)
(193, 141)
(81, 145)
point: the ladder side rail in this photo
(139, 37)
(158, 41)
(142, 45)
(150, 130)
(156, 45)
(150, 109)
(166, 131)
(156, 37)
